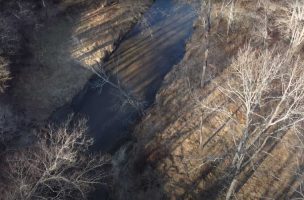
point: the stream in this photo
(139, 64)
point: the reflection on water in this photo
(140, 64)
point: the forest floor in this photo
(182, 152)
(62, 52)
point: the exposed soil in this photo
(61, 53)
(140, 63)
(181, 152)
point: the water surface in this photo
(140, 63)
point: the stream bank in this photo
(61, 51)
(139, 64)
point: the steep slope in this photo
(185, 144)
(62, 50)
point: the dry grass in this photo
(189, 148)
(4, 75)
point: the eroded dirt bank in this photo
(183, 148)
(48, 48)
(61, 51)
(137, 67)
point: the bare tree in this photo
(56, 167)
(127, 98)
(268, 89)
(291, 24)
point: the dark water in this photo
(140, 63)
